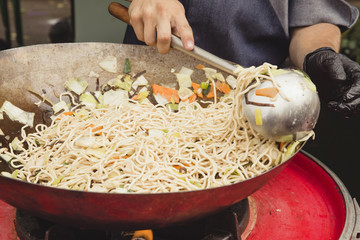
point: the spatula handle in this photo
(120, 12)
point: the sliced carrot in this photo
(270, 92)
(211, 92)
(118, 157)
(179, 166)
(68, 113)
(172, 95)
(97, 129)
(282, 145)
(223, 87)
(200, 66)
(195, 86)
(156, 88)
(135, 97)
(169, 93)
(192, 98)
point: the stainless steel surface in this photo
(204, 56)
(291, 115)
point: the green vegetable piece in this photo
(207, 90)
(248, 164)
(15, 173)
(5, 157)
(124, 85)
(87, 98)
(57, 181)
(77, 85)
(204, 85)
(172, 106)
(127, 66)
(291, 150)
(286, 138)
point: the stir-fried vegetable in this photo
(127, 66)
(231, 80)
(170, 94)
(184, 93)
(222, 87)
(16, 144)
(140, 81)
(197, 89)
(270, 92)
(60, 106)
(17, 114)
(77, 85)
(115, 98)
(258, 117)
(109, 64)
(184, 80)
(210, 91)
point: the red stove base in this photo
(302, 202)
(7, 218)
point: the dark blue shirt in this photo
(251, 32)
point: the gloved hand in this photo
(337, 79)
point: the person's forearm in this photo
(307, 39)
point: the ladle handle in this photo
(121, 12)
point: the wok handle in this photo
(121, 12)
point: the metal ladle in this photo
(292, 115)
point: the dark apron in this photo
(247, 32)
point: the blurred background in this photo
(29, 22)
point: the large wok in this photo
(45, 68)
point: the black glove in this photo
(337, 79)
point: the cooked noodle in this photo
(146, 148)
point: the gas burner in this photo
(29, 227)
(225, 225)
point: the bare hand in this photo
(154, 21)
